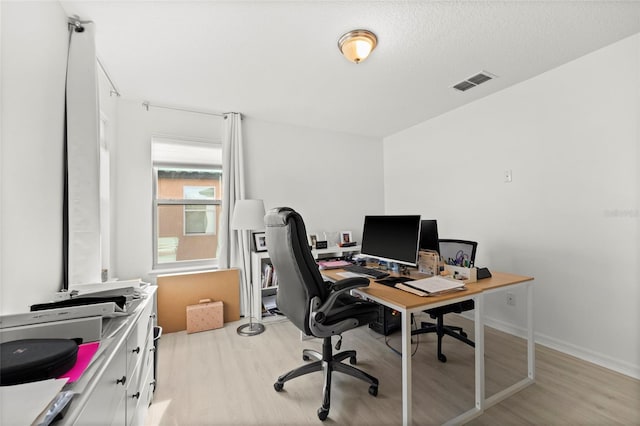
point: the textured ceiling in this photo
(278, 60)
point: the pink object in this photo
(335, 264)
(86, 352)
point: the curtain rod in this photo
(75, 24)
(147, 105)
(114, 90)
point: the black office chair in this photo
(317, 308)
(460, 253)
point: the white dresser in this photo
(117, 388)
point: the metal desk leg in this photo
(531, 344)
(479, 366)
(479, 351)
(531, 357)
(406, 369)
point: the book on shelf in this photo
(269, 276)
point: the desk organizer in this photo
(466, 275)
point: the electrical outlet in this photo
(511, 299)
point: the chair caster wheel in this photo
(373, 390)
(442, 358)
(305, 358)
(323, 413)
(463, 334)
(278, 386)
(353, 360)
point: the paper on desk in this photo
(22, 404)
(435, 284)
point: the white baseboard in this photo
(594, 357)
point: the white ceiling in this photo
(278, 60)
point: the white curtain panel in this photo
(233, 244)
(83, 159)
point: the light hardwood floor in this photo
(219, 378)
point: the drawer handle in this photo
(136, 395)
(136, 350)
(152, 315)
(122, 381)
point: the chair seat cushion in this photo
(456, 308)
(348, 306)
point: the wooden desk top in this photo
(409, 301)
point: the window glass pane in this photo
(199, 192)
(189, 183)
(187, 232)
(199, 219)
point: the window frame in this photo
(210, 263)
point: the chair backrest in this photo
(299, 279)
(458, 252)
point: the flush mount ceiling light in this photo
(356, 45)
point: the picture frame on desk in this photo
(260, 241)
(346, 237)
(313, 239)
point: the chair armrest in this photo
(337, 289)
(349, 283)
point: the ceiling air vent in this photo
(477, 79)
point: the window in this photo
(187, 202)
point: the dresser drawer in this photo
(138, 339)
(106, 405)
(138, 402)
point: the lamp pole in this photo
(248, 215)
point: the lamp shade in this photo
(356, 45)
(248, 215)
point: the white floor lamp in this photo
(248, 215)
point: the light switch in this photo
(508, 176)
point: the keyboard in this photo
(363, 270)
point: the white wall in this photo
(332, 179)
(570, 216)
(318, 173)
(33, 69)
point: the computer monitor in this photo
(392, 238)
(429, 235)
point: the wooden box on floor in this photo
(206, 315)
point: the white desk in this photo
(407, 304)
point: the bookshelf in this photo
(260, 260)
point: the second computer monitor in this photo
(392, 238)
(429, 235)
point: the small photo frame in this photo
(313, 240)
(260, 241)
(346, 237)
